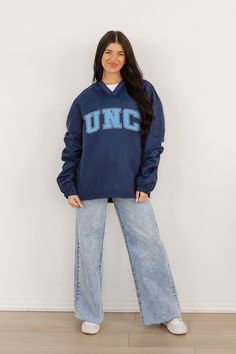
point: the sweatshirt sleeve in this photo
(72, 151)
(152, 146)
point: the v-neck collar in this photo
(108, 91)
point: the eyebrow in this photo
(112, 50)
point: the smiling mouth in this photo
(112, 64)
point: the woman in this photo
(115, 128)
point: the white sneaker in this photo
(90, 327)
(176, 326)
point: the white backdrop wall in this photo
(187, 50)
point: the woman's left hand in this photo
(141, 197)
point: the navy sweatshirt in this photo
(104, 155)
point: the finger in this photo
(78, 202)
(74, 203)
(143, 198)
(137, 196)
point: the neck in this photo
(110, 79)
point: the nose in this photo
(113, 57)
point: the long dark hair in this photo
(131, 75)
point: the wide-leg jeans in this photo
(155, 288)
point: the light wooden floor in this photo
(121, 333)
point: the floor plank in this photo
(207, 341)
(44, 332)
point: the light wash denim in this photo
(155, 288)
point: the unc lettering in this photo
(126, 119)
(92, 121)
(113, 118)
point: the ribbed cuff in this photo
(71, 192)
(143, 189)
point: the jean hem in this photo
(160, 322)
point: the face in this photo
(113, 58)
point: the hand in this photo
(141, 197)
(74, 201)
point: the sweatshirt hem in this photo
(89, 197)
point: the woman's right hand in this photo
(74, 201)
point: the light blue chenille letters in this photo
(111, 118)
